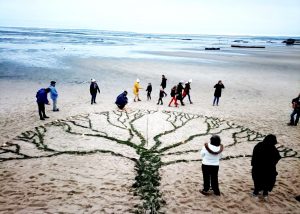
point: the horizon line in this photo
(135, 32)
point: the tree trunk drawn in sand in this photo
(149, 146)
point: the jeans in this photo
(188, 97)
(216, 99)
(93, 100)
(54, 104)
(297, 113)
(210, 178)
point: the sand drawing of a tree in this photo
(151, 139)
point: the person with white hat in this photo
(136, 89)
(54, 95)
(94, 88)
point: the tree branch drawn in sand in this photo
(173, 138)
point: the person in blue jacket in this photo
(54, 95)
(122, 100)
(41, 99)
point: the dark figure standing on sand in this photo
(93, 90)
(41, 99)
(163, 82)
(179, 92)
(122, 100)
(173, 95)
(264, 159)
(296, 111)
(162, 93)
(211, 154)
(218, 90)
(186, 91)
(149, 90)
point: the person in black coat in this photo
(264, 159)
(163, 82)
(179, 92)
(93, 90)
(122, 100)
(218, 91)
(162, 93)
(186, 91)
(41, 99)
(149, 90)
(296, 111)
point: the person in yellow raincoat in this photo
(136, 89)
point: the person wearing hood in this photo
(264, 159)
(53, 95)
(122, 100)
(211, 154)
(41, 99)
(136, 88)
(186, 91)
(94, 88)
(218, 91)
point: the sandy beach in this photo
(94, 159)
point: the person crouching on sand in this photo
(162, 93)
(41, 99)
(94, 88)
(211, 154)
(122, 100)
(264, 159)
(173, 95)
(149, 90)
(136, 89)
(218, 91)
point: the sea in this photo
(39, 49)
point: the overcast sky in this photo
(233, 17)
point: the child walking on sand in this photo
(162, 93)
(149, 90)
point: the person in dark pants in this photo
(93, 90)
(41, 99)
(163, 82)
(296, 111)
(264, 159)
(162, 93)
(179, 92)
(218, 91)
(211, 154)
(149, 90)
(186, 91)
(122, 100)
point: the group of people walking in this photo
(265, 157)
(178, 92)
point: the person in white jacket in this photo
(211, 154)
